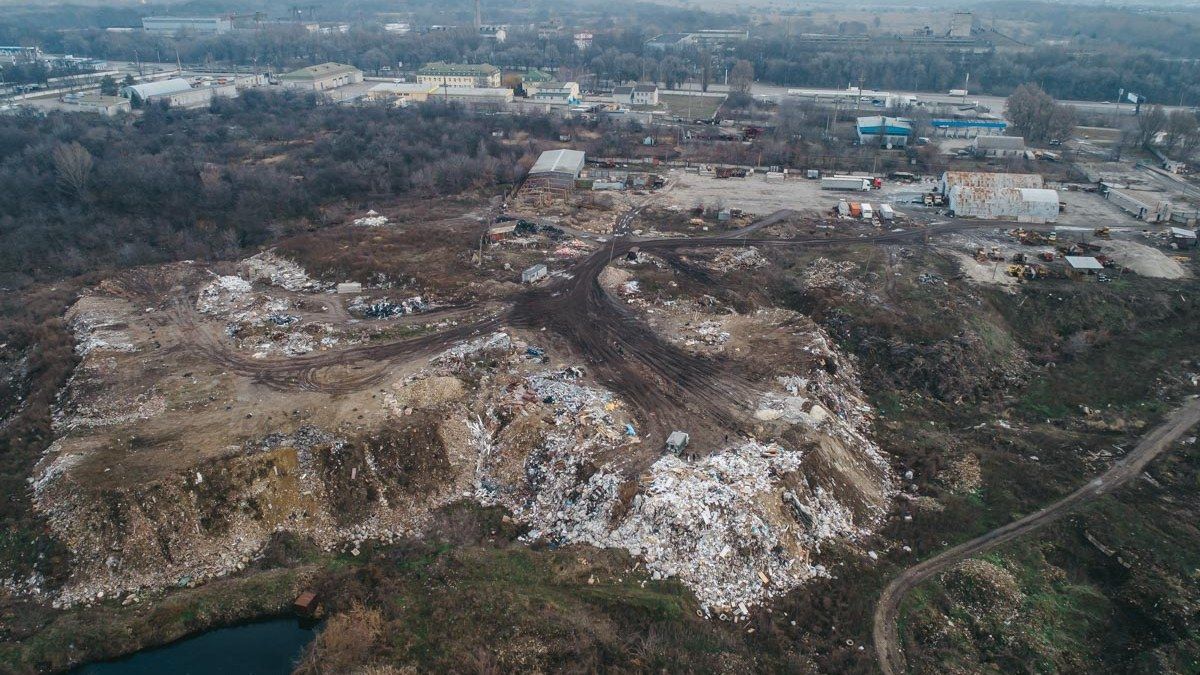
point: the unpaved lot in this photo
(1089, 209)
(753, 194)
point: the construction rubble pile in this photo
(826, 275)
(281, 272)
(737, 527)
(744, 258)
(372, 219)
(494, 418)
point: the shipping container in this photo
(843, 208)
(867, 212)
(812, 173)
(845, 183)
(886, 212)
(855, 209)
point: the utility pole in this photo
(478, 16)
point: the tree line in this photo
(83, 193)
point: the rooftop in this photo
(404, 87)
(554, 161)
(893, 125)
(458, 69)
(159, 88)
(994, 180)
(319, 71)
(1084, 263)
(1182, 233)
(999, 142)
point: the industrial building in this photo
(97, 103)
(701, 38)
(187, 25)
(1148, 206)
(888, 132)
(473, 96)
(967, 128)
(998, 146)
(176, 92)
(321, 77)
(984, 179)
(401, 92)
(639, 94)
(555, 170)
(478, 75)
(1000, 196)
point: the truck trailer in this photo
(845, 183)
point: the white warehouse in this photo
(1000, 196)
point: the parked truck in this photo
(886, 212)
(867, 212)
(845, 183)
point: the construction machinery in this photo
(1102, 232)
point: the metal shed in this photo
(556, 170)
(677, 441)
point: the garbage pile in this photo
(224, 294)
(827, 275)
(573, 249)
(97, 324)
(737, 527)
(384, 308)
(728, 260)
(372, 219)
(281, 272)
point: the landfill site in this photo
(685, 364)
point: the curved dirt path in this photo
(887, 611)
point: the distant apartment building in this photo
(321, 77)
(496, 33)
(478, 75)
(700, 38)
(191, 25)
(583, 40)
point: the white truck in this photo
(886, 212)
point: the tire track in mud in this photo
(667, 386)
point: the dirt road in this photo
(887, 643)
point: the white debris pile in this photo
(711, 333)
(631, 287)
(385, 308)
(827, 275)
(225, 294)
(728, 260)
(372, 219)
(719, 526)
(97, 328)
(553, 496)
(495, 341)
(281, 272)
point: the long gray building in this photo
(556, 170)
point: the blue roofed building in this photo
(890, 132)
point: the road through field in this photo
(886, 637)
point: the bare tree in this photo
(1149, 124)
(74, 166)
(1183, 133)
(741, 77)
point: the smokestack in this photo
(478, 17)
